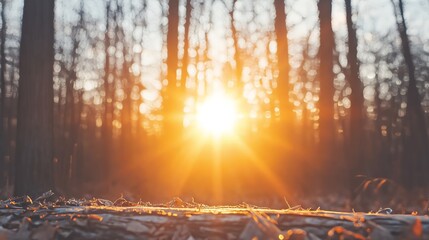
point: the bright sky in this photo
(377, 13)
(371, 16)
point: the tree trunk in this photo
(126, 113)
(170, 98)
(185, 60)
(108, 99)
(77, 139)
(34, 155)
(3, 119)
(237, 54)
(283, 61)
(10, 130)
(197, 222)
(416, 151)
(127, 82)
(356, 111)
(326, 80)
(67, 133)
(76, 107)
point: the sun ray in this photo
(217, 173)
(261, 166)
(191, 157)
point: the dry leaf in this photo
(176, 203)
(122, 202)
(104, 202)
(342, 233)
(95, 217)
(294, 234)
(45, 196)
(417, 228)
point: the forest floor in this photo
(50, 217)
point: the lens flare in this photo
(217, 115)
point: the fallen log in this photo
(153, 222)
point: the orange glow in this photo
(217, 115)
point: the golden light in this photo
(217, 115)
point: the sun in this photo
(217, 115)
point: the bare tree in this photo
(356, 111)
(71, 109)
(108, 98)
(128, 83)
(34, 155)
(326, 76)
(283, 60)
(416, 143)
(3, 91)
(170, 98)
(185, 59)
(237, 53)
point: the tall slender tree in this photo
(283, 60)
(326, 80)
(416, 142)
(185, 59)
(171, 98)
(237, 53)
(108, 98)
(34, 156)
(71, 115)
(2, 91)
(356, 111)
